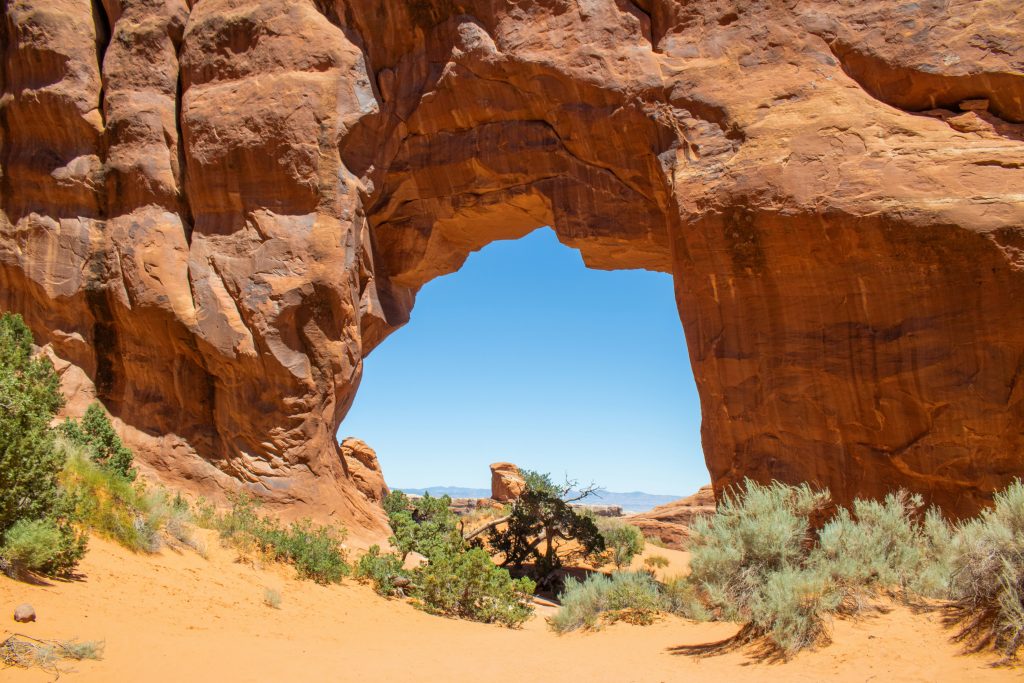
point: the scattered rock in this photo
(507, 482)
(24, 614)
(600, 510)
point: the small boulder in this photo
(24, 614)
(507, 482)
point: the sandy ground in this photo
(179, 617)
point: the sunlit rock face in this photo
(213, 210)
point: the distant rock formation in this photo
(213, 211)
(670, 523)
(507, 482)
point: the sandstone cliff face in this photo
(214, 210)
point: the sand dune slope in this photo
(179, 617)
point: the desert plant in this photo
(425, 525)
(272, 598)
(26, 652)
(314, 550)
(634, 596)
(380, 569)
(541, 520)
(988, 576)
(879, 545)
(750, 562)
(624, 541)
(95, 433)
(656, 562)
(30, 461)
(466, 584)
(108, 503)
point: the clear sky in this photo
(525, 355)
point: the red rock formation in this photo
(507, 482)
(363, 469)
(215, 210)
(670, 523)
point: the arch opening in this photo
(528, 356)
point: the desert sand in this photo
(176, 616)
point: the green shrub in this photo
(467, 585)
(879, 545)
(988, 575)
(656, 562)
(750, 563)
(315, 551)
(426, 526)
(380, 569)
(625, 541)
(108, 503)
(584, 603)
(95, 433)
(456, 581)
(30, 462)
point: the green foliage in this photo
(539, 521)
(656, 562)
(315, 551)
(380, 569)
(987, 563)
(585, 603)
(426, 526)
(884, 544)
(750, 563)
(95, 433)
(625, 541)
(467, 585)
(541, 483)
(456, 581)
(110, 504)
(30, 462)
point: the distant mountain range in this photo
(632, 501)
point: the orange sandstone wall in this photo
(213, 210)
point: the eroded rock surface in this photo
(507, 482)
(213, 210)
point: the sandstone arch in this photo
(213, 210)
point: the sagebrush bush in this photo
(623, 541)
(380, 569)
(750, 563)
(880, 544)
(585, 602)
(656, 562)
(988, 575)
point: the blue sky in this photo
(526, 355)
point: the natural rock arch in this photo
(212, 211)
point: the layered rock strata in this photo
(213, 210)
